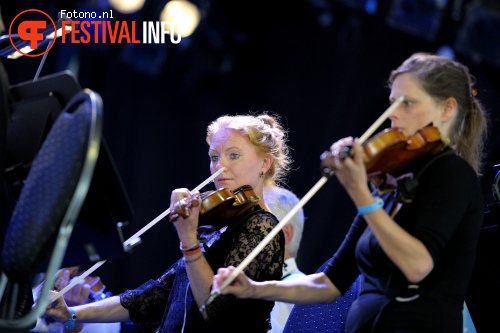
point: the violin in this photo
(391, 152)
(217, 206)
(97, 287)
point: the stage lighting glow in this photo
(127, 6)
(183, 16)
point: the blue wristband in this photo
(70, 324)
(371, 208)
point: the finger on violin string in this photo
(174, 217)
(327, 164)
(62, 279)
(342, 142)
(332, 159)
(357, 151)
(194, 201)
(57, 284)
(344, 153)
(342, 149)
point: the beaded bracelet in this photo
(372, 207)
(194, 251)
(190, 248)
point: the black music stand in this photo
(34, 108)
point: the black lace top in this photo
(167, 304)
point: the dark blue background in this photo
(321, 65)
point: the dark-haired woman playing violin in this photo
(416, 255)
(252, 150)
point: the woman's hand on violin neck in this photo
(77, 295)
(187, 222)
(351, 171)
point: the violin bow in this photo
(131, 240)
(135, 237)
(369, 132)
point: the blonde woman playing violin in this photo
(252, 150)
(416, 256)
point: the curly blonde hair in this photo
(266, 134)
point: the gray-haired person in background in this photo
(281, 201)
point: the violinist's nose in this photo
(392, 119)
(220, 164)
(394, 116)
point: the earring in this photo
(261, 174)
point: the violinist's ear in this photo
(266, 162)
(450, 106)
(288, 231)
